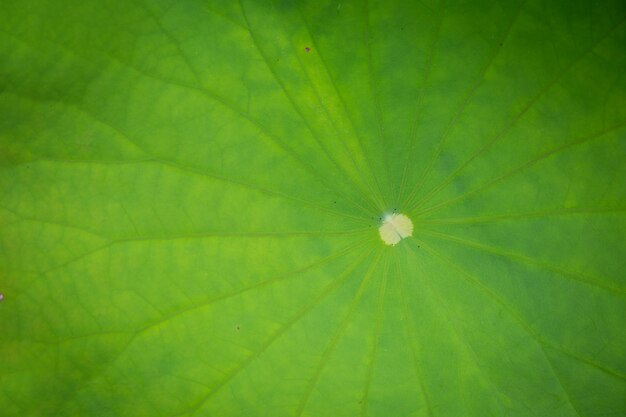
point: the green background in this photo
(190, 192)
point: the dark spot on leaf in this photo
(237, 327)
(307, 49)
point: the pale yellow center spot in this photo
(395, 227)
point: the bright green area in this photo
(190, 193)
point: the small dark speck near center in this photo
(307, 49)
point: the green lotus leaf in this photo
(191, 193)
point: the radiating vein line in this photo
(523, 167)
(203, 89)
(260, 234)
(286, 326)
(509, 126)
(298, 111)
(58, 408)
(364, 180)
(564, 211)
(464, 344)
(561, 272)
(208, 302)
(308, 167)
(260, 189)
(358, 138)
(541, 343)
(67, 262)
(565, 391)
(42, 274)
(431, 55)
(157, 21)
(343, 142)
(204, 174)
(22, 218)
(374, 89)
(287, 95)
(212, 300)
(514, 314)
(338, 334)
(408, 323)
(224, 16)
(210, 175)
(75, 338)
(104, 162)
(589, 362)
(461, 109)
(377, 328)
(74, 107)
(275, 140)
(281, 277)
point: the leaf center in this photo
(394, 228)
